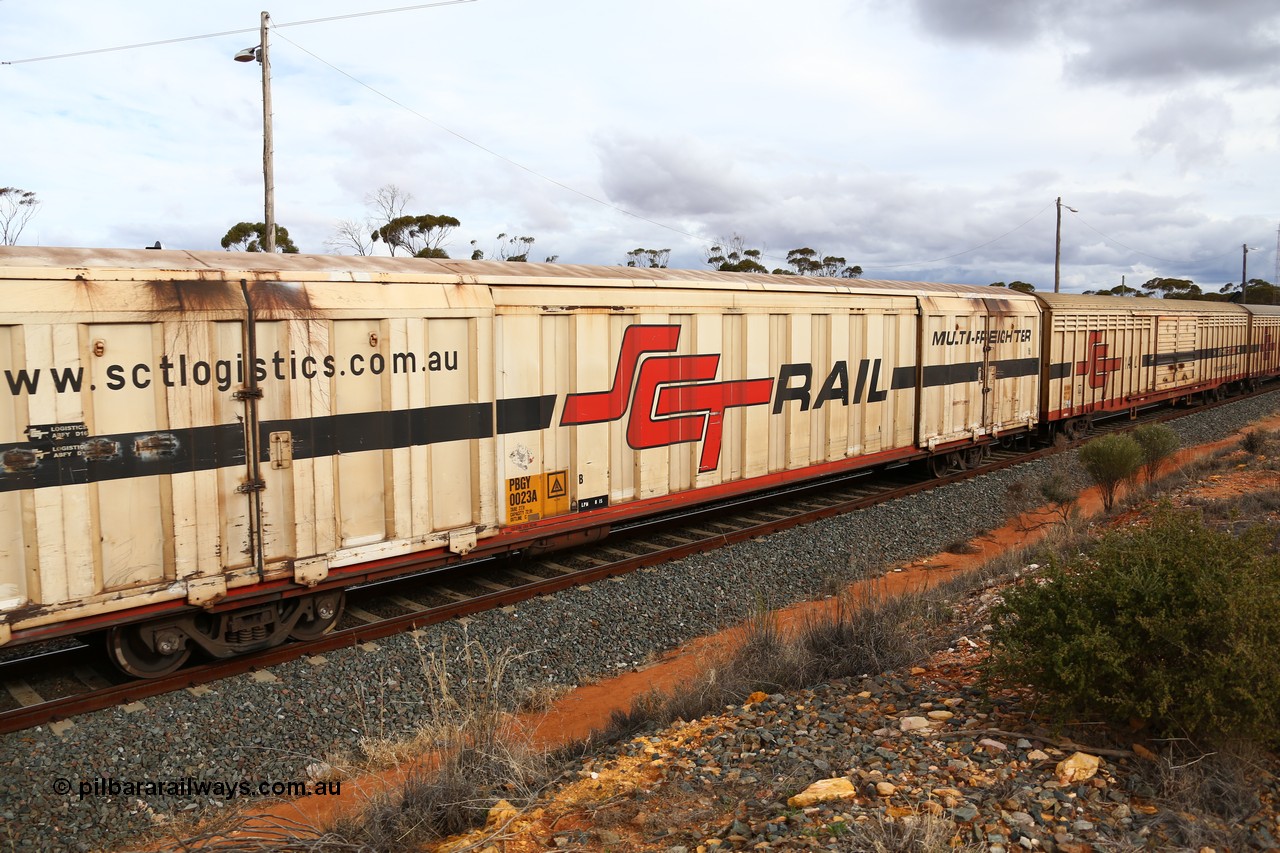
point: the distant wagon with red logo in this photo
(1108, 354)
(202, 451)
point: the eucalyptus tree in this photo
(16, 209)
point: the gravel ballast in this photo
(268, 727)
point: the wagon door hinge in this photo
(250, 486)
(247, 394)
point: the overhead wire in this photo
(234, 32)
(1177, 262)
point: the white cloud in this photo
(1194, 128)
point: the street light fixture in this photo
(1245, 249)
(1057, 245)
(259, 54)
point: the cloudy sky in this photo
(921, 139)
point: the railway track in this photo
(52, 686)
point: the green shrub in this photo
(1158, 443)
(1109, 461)
(1174, 624)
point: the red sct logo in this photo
(671, 398)
(1097, 365)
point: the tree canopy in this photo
(648, 258)
(251, 237)
(1118, 290)
(421, 236)
(732, 255)
(1259, 292)
(806, 261)
(1172, 288)
(16, 209)
(1020, 286)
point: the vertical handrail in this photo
(250, 395)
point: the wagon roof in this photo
(39, 263)
(1136, 304)
(1269, 310)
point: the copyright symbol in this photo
(62, 786)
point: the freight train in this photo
(201, 451)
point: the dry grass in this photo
(1205, 797)
(477, 756)
(920, 833)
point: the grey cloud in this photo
(1133, 41)
(674, 177)
(984, 21)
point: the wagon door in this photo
(953, 336)
(375, 422)
(1176, 362)
(1010, 365)
(209, 413)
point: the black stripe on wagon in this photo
(121, 456)
(95, 459)
(522, 414)
(957, 374)
(359, 431)
(1163, 358)
(1061, 370)
(951, 374)
(1011, 367)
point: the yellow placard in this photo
(537, 496)
(524, 499)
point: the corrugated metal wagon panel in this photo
(1110, 354)
(376, 429)
(1264, 340)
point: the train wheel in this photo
(130, 653)
(939, 465)
(973, 457)
(324, 611)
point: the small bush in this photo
(1158, 443)
(1256, 442)
(1174, 624)
(1110, 461)
(1056, 488)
